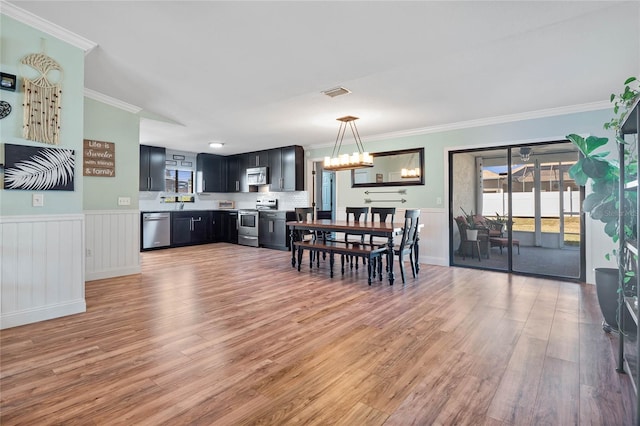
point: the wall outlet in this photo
(88, 253)
(439, 201)
(124, 201)
(37, 200)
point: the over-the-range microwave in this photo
(257, 176)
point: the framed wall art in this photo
(35, 168)
(7, 81)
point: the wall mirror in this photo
(387, 169)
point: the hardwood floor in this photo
(224, 334)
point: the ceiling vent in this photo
(336, 91)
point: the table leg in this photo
(390, 260)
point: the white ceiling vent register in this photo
(336, 91)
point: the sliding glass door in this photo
(525, 207)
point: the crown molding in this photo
(550, 112)
(100, 97)
(531, 115)
(28, 18)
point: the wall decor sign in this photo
(41, 106)
(35, 168)
(5, 109)
(7, 81)
(99, 158)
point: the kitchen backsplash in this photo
(152, 201)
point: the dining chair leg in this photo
(400, 258)
(369, 272)
(342, 263)
(299, 257)
(379, 260)
(331, 262)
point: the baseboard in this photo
(43, 313)
(112, 273)
(432, 260)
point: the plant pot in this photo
(607, 290)
(472, 234)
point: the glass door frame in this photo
(510, 150)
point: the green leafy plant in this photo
(604, 202)
(468, 217)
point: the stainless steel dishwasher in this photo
(156, 230)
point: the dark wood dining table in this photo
(376, 229)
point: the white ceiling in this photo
(250, 74)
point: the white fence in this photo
(523, 204)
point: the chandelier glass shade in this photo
(357, 160)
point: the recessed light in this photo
(216, 145)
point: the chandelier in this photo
(410, 173)
(357, 160)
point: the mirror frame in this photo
(420, 151)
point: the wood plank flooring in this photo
(224, 334)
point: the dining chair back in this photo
(382, 214)
(408, 241)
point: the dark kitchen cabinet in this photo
(272, 230)
(229, 227)
(286, 166)
(257, 159)
(190, 227)
(236, 172)
(152, 161)
(210, 173)
(218, 233)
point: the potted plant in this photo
(604, 203)
(471, 227)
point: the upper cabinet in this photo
(217, 173)
(210, 173)
(258, 159)
(233, 168)
(286, 167)
(152, 161)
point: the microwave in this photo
(257, 176)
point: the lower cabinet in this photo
(189, 228)
(272, 230)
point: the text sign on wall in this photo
(99, 158)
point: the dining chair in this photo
(304, 214)
(356, 215)
(382, 214)
(408, 241)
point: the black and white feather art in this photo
(38, 169)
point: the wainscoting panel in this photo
(41, 268)
(112, 243)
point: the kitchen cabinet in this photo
(286, 167)
(190, 227)
(236, 173)
(210, 173)
(257, 159)
(272, 230)
(152, 162)
(229, 227)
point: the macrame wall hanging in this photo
(42, 100)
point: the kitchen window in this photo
(178, 186)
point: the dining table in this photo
(377, 229)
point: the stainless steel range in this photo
(248, 221)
